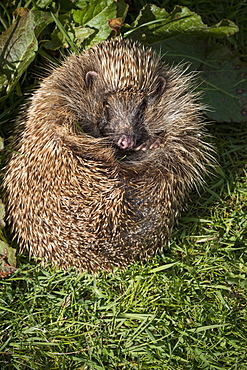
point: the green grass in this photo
(185, 309)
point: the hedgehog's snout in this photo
(126, 142)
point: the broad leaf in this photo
(7, 259)
(225, 86)
(181, 36)
(95, 15)
(18, 46)
(154, 24)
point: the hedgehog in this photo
(104, 158)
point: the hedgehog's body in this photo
(110, 146)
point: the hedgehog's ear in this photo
(90, 75)
(161, 85)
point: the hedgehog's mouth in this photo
(130, 143)
(128, 148)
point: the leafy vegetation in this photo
(185, 309)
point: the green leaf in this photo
(65, 35)
(223, 28)
(181, 36)
(207, 327)
(95, 15)
(44, 3)
(223, 76)
(225, 86)
(163, 267)
(122, 9)
(68, 34)
(154, 24)
(7, 259)
(18, 46)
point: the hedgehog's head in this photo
(121, 112)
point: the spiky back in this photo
(125, 65)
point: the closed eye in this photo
(139, 115)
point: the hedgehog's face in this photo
(121, 113)
(122, 120)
